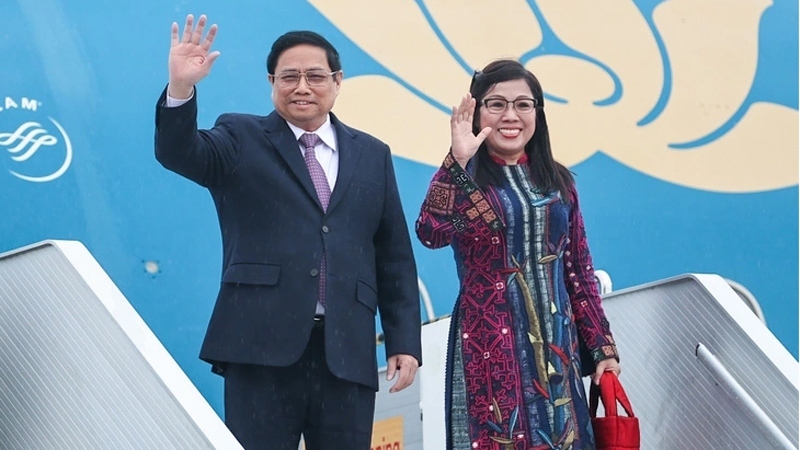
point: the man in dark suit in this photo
(315, 243)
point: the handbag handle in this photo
(610, 392)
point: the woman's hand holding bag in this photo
(613, 432)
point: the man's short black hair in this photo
(295, 38)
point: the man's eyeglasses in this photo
(521, 105)
(315, 77)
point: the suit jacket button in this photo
(314, 272)
(324, 228)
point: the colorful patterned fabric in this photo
(527, 299)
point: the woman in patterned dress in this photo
(528, 299)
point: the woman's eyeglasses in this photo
(500, 105)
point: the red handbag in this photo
(613, 432)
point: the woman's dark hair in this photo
(295, 38)
(547, 173)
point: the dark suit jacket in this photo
(274, 232)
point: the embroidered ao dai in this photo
(527, 298)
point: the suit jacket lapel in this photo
(286, 145)
(349, 152)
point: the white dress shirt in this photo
(325, 151)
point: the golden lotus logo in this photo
(663, 93)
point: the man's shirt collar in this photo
(325, 132)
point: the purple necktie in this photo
(320, 180)
(309, 141)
